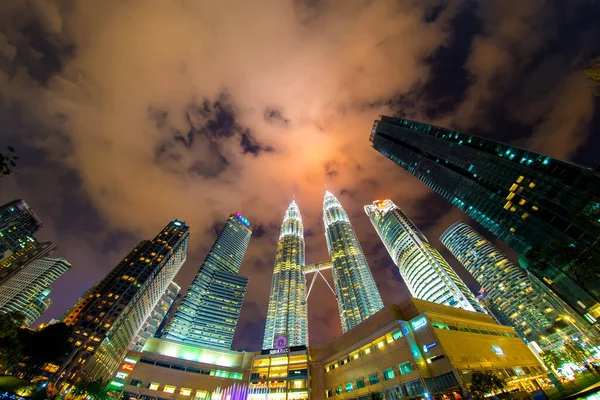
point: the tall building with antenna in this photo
(424, 270)
(287, 312)
(357, 295)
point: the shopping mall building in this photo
(416, 349)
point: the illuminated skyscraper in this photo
(107, 319)
(533, 202)
(509, 290)
(424, 270)
(209, 311)
(18, 223)
(357, 295)
(26, 291)
(287, 313)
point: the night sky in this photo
(128, 114)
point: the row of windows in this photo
(360, 383)
(212, 372)
(440, 325)
(376, 344)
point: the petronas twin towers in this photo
(357, 296)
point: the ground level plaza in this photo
(412, 350)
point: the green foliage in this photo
(553, 360)
(8, 162)
(483, 383)
(376, 396)
(96, 390)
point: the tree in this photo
(553, 360)
(47, 345)
(10, 346)
(96, 390)
(376, 396)
(483, 383)
(8, 161)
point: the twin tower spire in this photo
(356, 293)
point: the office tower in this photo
(532, 202)
(510, 294)
(209, 311)
(111, 314)
(357, 295)
(30, 253)
(26, 290)
(159, 313)
(18, 223)
(424, 270)
(287, 312)
(167, 319)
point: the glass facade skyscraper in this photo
(287, 312)
(209, 311)
(424, 270)
(357, 295)
(107, 319)
(510, 292)
(18, 223)
(26, 291)
(527, 199)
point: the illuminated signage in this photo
(419, 323)
(498, 350)
(280, 351)
(117, 384)
(241, 218)
(121, 375)
(426, 347)
(177, 223)
(127, 367)
(130, 360)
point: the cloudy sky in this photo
(128, 114)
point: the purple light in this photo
(281, 343)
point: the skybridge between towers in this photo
(316, 268)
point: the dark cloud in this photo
(275, 116)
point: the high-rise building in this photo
(159, 313)
(114, 310)
(32, 252)
(26, 290)
(209, 311)
(357, 295)
(527, 199)
(509, 291)
(424, 270)
(287, 312)
(18, 223)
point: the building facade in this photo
(531, 201)
(26, 290)
(287, 312)
(18, 223)
(108, 318)
(423, 269)
(209, 311)
(357, 295)
(151, 326)
(510, 294)
(416, 349)
(34, 251)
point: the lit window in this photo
(405, 368)
(153, 385)
(373, 379)
(507, 205)
(200, 394)
(520, 179)
(121, 375)
(510, 196)
(534, 208)
(388, 374)
(525, 215)
(513, 209)
(349, 387)
(513, 229)
(185, 391)
(169, 389)
(338, 390)
(522, 201)
(380, 344)
(532, 185)
(514, 187)
(360, 383)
